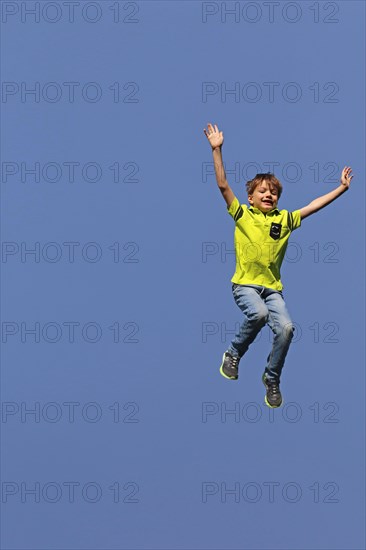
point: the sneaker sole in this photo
(272, 406)
(225, 375)
(266, 401)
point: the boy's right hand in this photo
(213, 135)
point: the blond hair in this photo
(260, 178)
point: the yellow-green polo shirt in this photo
(260, 243)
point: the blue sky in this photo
(114, 327)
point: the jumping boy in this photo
(261, 237)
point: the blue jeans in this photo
(262, 305)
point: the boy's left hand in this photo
(346, 176)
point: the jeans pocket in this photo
(235, 288)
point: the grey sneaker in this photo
(229, 366)
(273, 397)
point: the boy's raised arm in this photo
(216, 139)
(324, 200)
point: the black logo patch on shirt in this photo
(275, 231)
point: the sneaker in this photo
(273, 396)
(229, 366)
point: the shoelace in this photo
(234, 361)
(273, 388)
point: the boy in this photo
(261, 237)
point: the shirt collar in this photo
(257, 211)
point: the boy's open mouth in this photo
(268, 202)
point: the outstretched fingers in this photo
(209, 126)
(346, 175)
(347, 172)
(211, 129)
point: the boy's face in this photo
(264, 197)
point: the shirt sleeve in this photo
(236, 210)
(294, 219)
